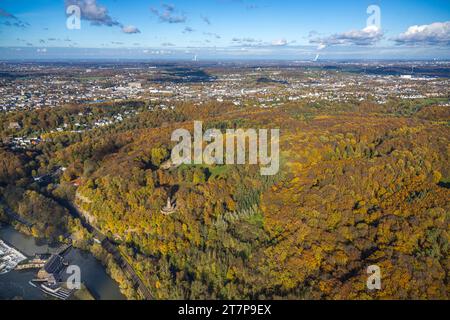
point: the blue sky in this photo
(267, 28)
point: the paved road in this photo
(14, 215)
(112, 249)
(138, 283)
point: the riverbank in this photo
(15, 284)
(86, 237)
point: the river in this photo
(14, 285)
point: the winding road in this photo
(112, 249)
(107, 245)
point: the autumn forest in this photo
(360, 184)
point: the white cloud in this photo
(98, 15)
(169, 14)
(246, 41)
(93, 12)
(252, 42)
(321, 46)
(280, 42)
(437, 33)
(365, 37)
(130, 29)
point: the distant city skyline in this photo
(225, 29)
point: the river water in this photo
(14, 285)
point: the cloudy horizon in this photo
(221, 29)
